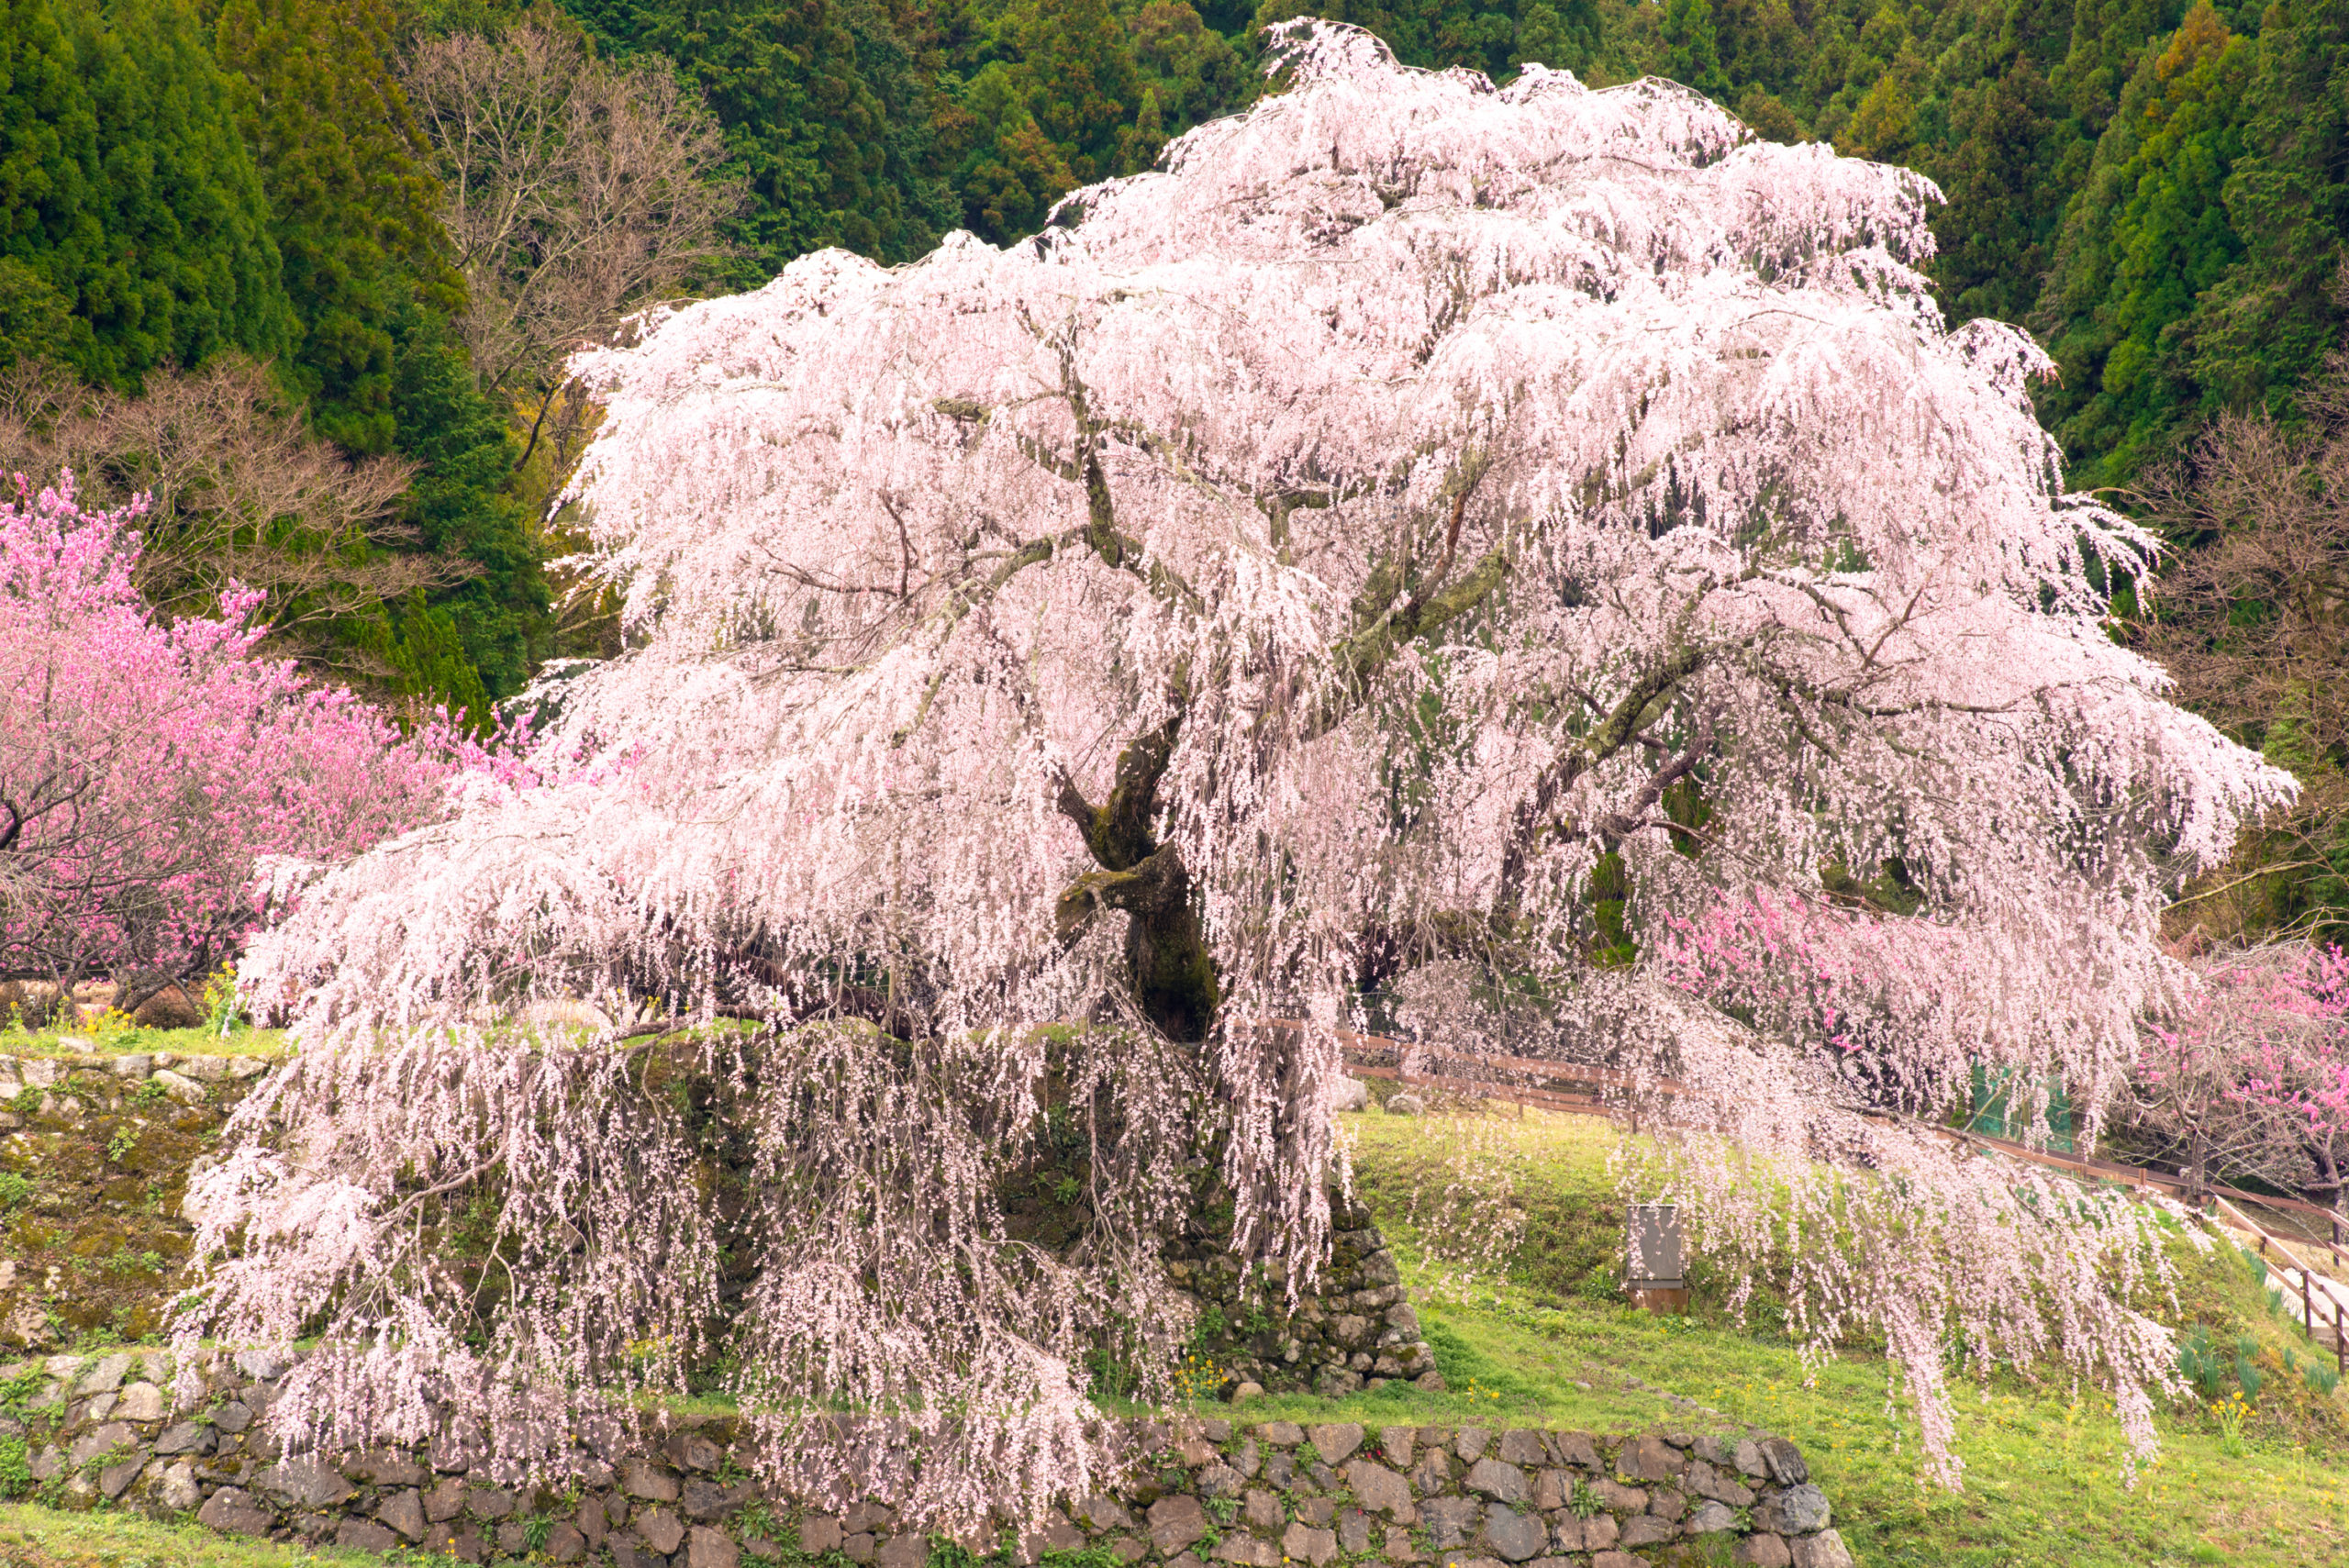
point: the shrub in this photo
(150, 766)
(16, 1468)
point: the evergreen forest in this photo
(306, 271)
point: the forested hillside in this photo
(387, 221)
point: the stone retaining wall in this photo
(103, 1431)
(107, 1140)
(1355, 1328)
(93, 1243)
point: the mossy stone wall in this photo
(1198, 1492)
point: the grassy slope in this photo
(1550, 1343)
(2043, 1470)
(32, 1537)
(106, 1183)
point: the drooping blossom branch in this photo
(1807, 1140)
(1423, 524)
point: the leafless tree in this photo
(239, 491)
(2252, 618)
(573, 191)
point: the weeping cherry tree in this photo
(1425, 535)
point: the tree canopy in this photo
(1359, 554)
(349, 197)
(2150, 187)
(1318, 585)
(134, 231)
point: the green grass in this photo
(273, 1044)
(2043, 1475)
(1550, 1342)
(35, 1537)
(2045, 1471)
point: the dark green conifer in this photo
(2263, 330)
(2147, 236)
(459, 502)
(823, 111)
(1692, 51)
(352, 210)
(133, 228)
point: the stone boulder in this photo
(233, 1510)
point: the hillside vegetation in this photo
(1542, 1328)
(2153, 188)
(307, 273)
(1531, 1328)
(302, 280)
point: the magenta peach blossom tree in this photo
(1423, 530)
(149, 767)
(2246, 1074)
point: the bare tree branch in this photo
(238, 492)
(572, 191)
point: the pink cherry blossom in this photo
(2247, 1073)
(146, 768)
(1295, 572)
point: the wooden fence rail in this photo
(2307, 1280)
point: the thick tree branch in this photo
(1383, 628)
(1153, 888)
(1638, 708)
(1116, 549)
(959, 603)
(1617, 826)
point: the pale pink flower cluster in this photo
(334, 1217)
(1439, 481)
(1463, 1211)
(1807, 1141)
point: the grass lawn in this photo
(113, 1039)
(34, 1537)
(1547, 1340)
(2044, 1475)
(18, 1040)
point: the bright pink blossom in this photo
(2247, 1074)
(147, 768)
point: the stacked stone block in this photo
(109, 1141)
(181, 1077)
(1201, 1494)
(1355, 1328)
